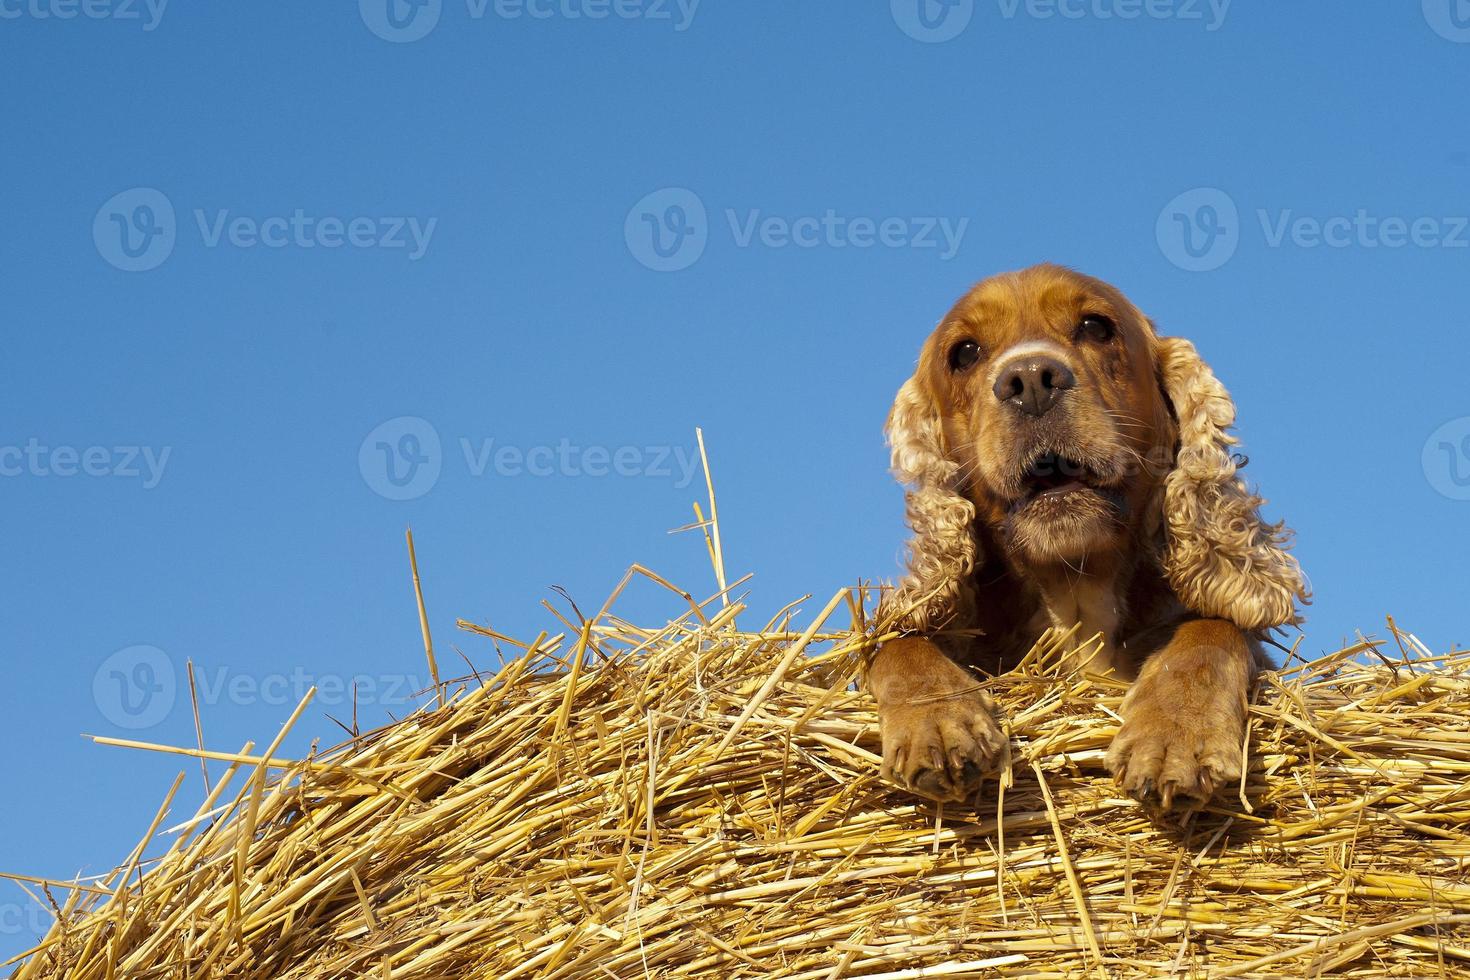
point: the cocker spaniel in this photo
(1068, 465)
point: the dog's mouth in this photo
(1057, 478)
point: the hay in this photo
(702, 800)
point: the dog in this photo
(1067, 465)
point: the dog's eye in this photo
(1094, 326)
(963, 355)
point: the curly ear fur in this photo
(943, 552)
(1221, 558)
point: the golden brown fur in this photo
(1068, 465)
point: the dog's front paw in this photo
(941, 748)
(1164, 760)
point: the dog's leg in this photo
(1184, 718)
(939, 733)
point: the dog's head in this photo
(1046, 409)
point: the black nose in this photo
(1033, 384)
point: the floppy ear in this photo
(942, 553)
(1222, 559)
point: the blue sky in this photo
(382, 271)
